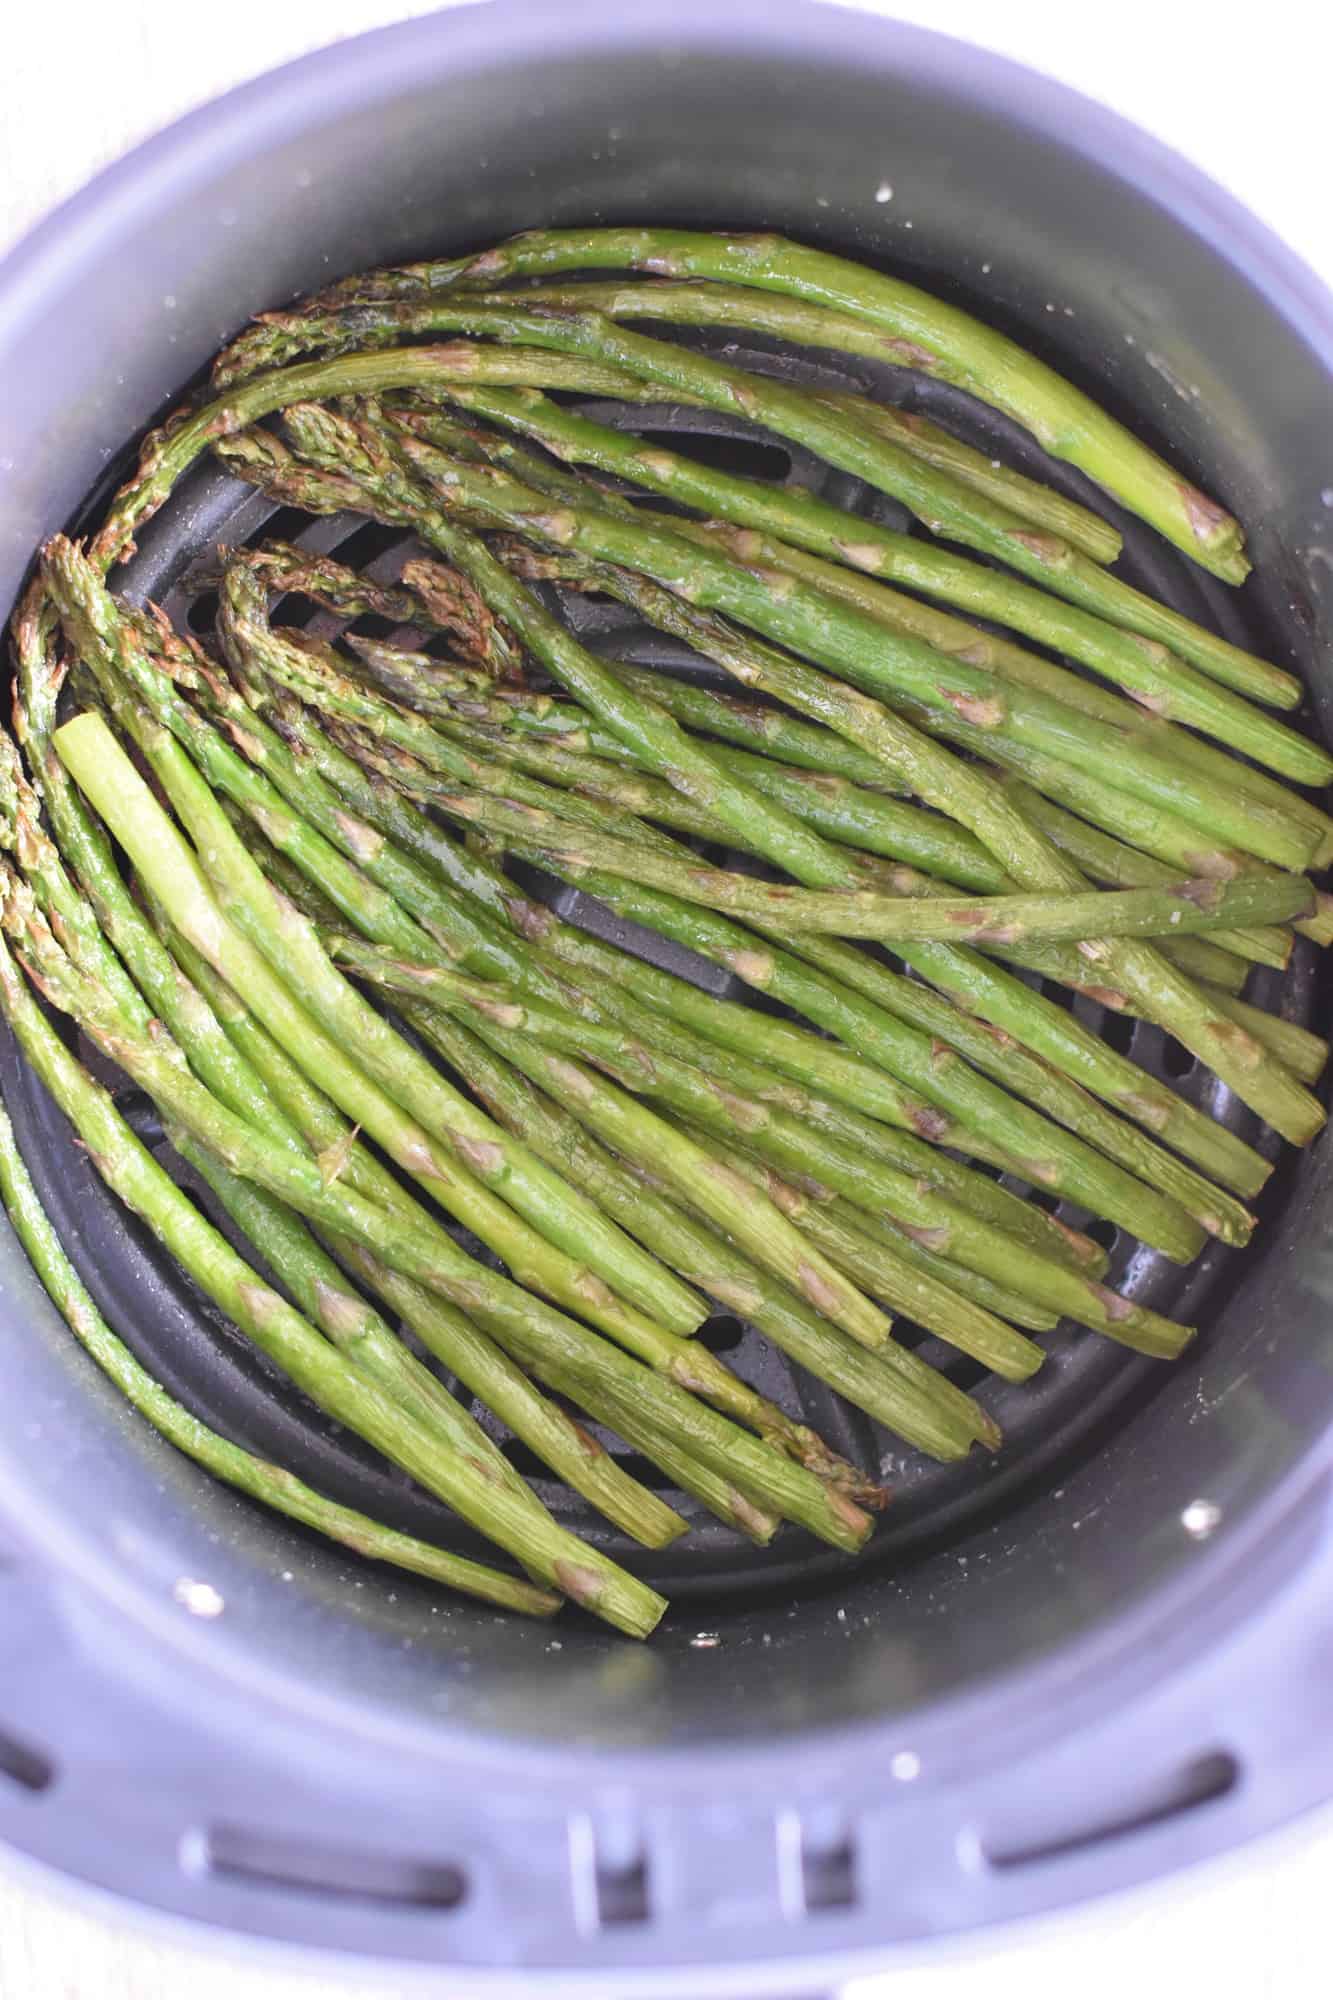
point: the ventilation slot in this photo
(721, 1333)
(272, 1861)
(1200, 1783)
(828, 1877)
(24, 1766)
(622, 1892)
(744, 456)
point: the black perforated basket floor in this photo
(1087, 1385)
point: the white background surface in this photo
(1246, 98)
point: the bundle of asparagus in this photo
(267, 878)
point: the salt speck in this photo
(1200, 1519)
(200, 1599)
(985, 270)
(821, 201)
(1326, 497)
(556, 1646)
(169, 302)
(907, 225)
(884, 192)
(286, 1576)
(905, 1765)
(704, 1642)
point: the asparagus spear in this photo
(269, 1484)
(1303, 1053)
(1129, 1087)
(490, 1504)
(685, 1361)
(1198, 905)
(900, 613)
(833, 785)
(480, 1155)
(1169, 687)
(842, 637)
(289, 1250)
(565, 1446)
(765, 1128)
(900, 1285)
(844, 1077)
(1152, 825)
(918, 331)
(1157, 988)
(834, 806)
(815, 326)
(920, 1062)
(847, 1236)
(1113, 861)
(423, 897)
(919, 1405)
(1149, 826)
(639, 1403)
(798, 1054)
(1035, 503)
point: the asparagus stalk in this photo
(919, 1405)
(1199, 905)
(844, 638)
(480, 1157)
(288, 1248)
(1113, 861)
(797, 1053)
(1149, 826)
(815, 326)
(645, 726)
(819, 789)
(560, 1349)
(929, 570)
(994, 1054)
(1147, 823)
(1303, 1053)
(518, 1524)
(837, 808)
(792, 1146)
(1167, 686)
(846, 1236)
(269, 1484)
(281, 1240)
(918, 331)
(1128, 1086)
(1040, 505)
(844, 1077)
(1168, 998)
(486, 1369)
(899, 1285)
(1156, 989)
(1043, 1152)
(858, 1082)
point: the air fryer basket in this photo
(1078, 1665)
